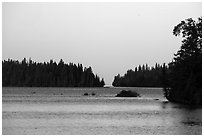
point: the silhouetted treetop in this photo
(191, 32)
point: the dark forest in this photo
(142, 76)
(183, 81)
(50, 74)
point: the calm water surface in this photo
(67, 111)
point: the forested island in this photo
(142, 76)
(47, 74)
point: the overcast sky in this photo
(109, 37)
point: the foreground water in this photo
(67, 111)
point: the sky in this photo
(110, 37)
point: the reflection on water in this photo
(67, 111)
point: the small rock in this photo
(93, 94)
(165, 102)
(86, 94)
(128, 93)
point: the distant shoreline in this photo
(75, 87)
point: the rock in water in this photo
(93, 94)
(128, 93)
(86, 94)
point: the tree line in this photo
(141, 76)
(47, 74)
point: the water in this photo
(66, 111)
